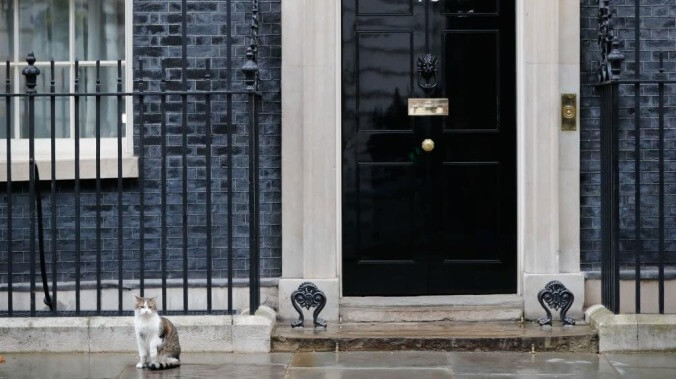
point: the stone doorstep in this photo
(446, 336)
(632, 332)
(238, 334)
(431, 308)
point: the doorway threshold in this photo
(465, 308)
(441, 336)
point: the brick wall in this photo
(658, 32)
(157, 42)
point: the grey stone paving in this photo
(353, 365)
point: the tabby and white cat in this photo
(156, 337)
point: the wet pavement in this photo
(368, 365)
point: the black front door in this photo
(438, 222)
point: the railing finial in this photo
(250, 67)
(610, 66)
(31, 73)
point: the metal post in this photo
(141, 179)
(120, 188)
(78, 251)
(98, 187)
(163, 186)
(10, 253)
(207, 157)
(610, 68)
(637, 157)
(31, 73)
(251, 77)
(660, 149)
(52, 109)
(184, 146)
(229, 155)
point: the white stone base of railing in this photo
(238, 334)
(632, 332)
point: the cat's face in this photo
(145, 306)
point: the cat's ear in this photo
(138, 298)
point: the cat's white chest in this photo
(147, 327)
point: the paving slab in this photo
(367, 365)
(575, 365)
(418, 373)
(210, 371)
(647, 360)
(379, 359)
(647, 373)
(66, 366)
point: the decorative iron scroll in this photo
(250, 68)
(610, 65)
(307, 296)
(428, 65)
(557, 296)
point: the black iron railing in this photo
(147, 105)
(613, 91)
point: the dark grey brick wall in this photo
(658, 32)
(157, 42)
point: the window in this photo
(66, 31)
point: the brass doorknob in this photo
(428, 145)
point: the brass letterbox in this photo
(428, 107)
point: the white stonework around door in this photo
(548, 172)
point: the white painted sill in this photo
(65, 169)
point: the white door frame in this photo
(547, 163)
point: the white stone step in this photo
(466, 308)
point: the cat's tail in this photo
(170, 363)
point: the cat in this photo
(156, 336)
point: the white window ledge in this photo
(65, 169)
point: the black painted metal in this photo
(35, 207)
(120, 191)
(307, 296)
(78, 250)
(557, 297)
(52, 136)
(163, 184)
(10, 253)
(251, 81)
(428, 65)
(428, 223)
(609, 71)
(31, 73)
(142, 97)
(184, 145)
(207, 157)
(610, 197)
(229, 153)
(637, 162)
(141, 176)
(660, 148)
(609, 89)
(41, 238)
(98, 186)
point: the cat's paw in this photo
(140, 365)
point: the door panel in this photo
(389, 7)
(469, 229)
(388, 192)
(439, 222)
(379, 107)
(470, 7)
(471, 78)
